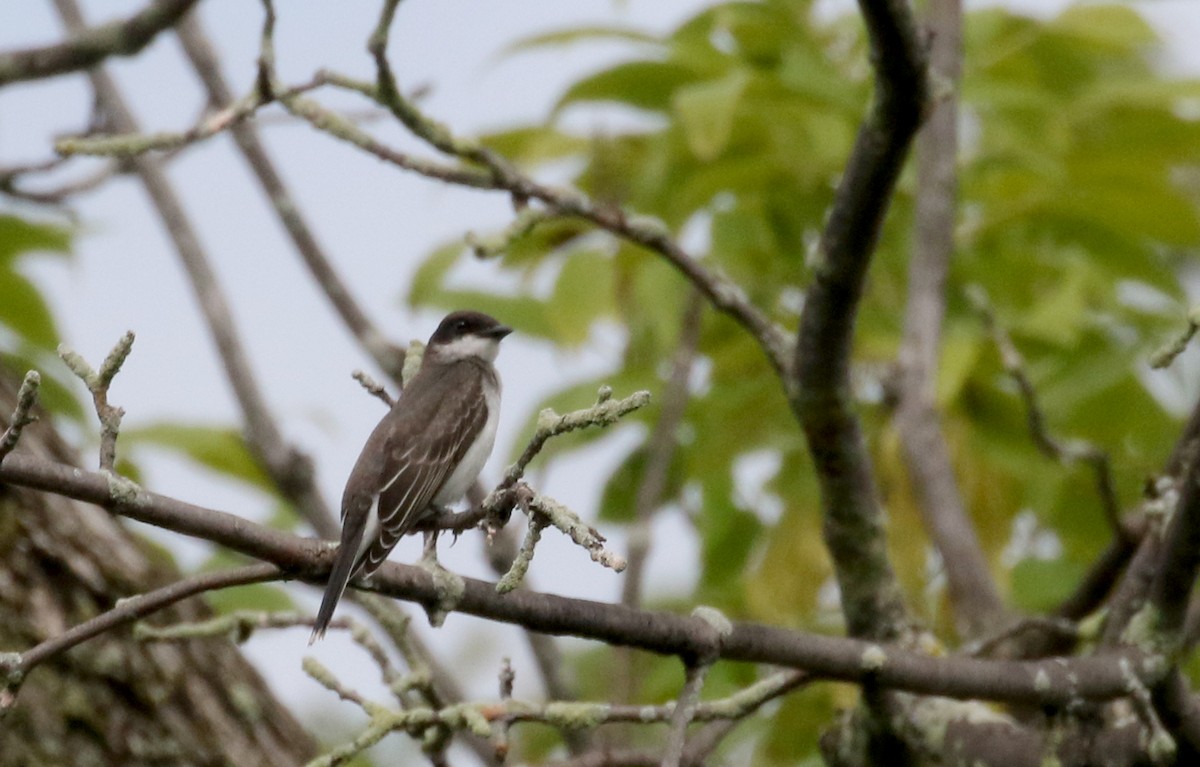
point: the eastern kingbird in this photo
(425, 453)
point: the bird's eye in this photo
(460, 325)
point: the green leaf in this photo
(645, 85)
(1039, 585)
(24, 312)
(582, 294)
(428, 282)
(618, 502)
(535, 145)
(1110, 26)
(706, 112)
(258, 597)
(566, 37)
(20, 236)
(221, 449)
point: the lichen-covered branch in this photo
(14, 667)
(21, 415)
(97, 383)
(1165, 355)
(819, 389)
(89, 47)
(605, 412)
(290, 469)
(1048, 682)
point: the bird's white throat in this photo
(469, 346)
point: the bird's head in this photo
(467, 334)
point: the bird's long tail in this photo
(343, 569)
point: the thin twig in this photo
(373, 387)
(98, 383)
(1165, 355)
(501, 729)
(550, 424)
(22, 415)
(660, 450)
(1067, 451)
(14, 667)
(684, 713)
(291, 470)
(88, 47)
(1048, 625)
(125, 145)
(512, 492)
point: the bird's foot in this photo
(448, 585)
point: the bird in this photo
(424, 454)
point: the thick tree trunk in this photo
(114, 700)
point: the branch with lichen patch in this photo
(483, 717)
(21, 416)
(14, 667)
(1167, 353)
(605, 412)
(98, 383)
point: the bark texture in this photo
(113, 700)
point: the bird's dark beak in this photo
(498, 332)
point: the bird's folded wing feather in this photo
(421, 457)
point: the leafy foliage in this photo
(1078, 211)
(28, 334)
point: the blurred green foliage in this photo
(1077, 214)
(28, 333)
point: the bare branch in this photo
(1173, 348)
(237, 626)
(974, 597)
(819, 389)
(605, 412)
(684, 714)
(1047, 682)
(21, 416)
(207, 66)
(15, 666)
(290, 470)
(719, 289)
(373, 387)
(89, 47)
(660, 450)
(344, 129)
(98, 383)
(1065, 451)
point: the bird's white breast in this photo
(467, 471)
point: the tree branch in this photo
(820, 391)
(1050, 682)
(15, 666)
(207, 66)
(21, 415)
(98, 383)
(291, 471)
(89, 47)
(1067, 451)
(973, 595)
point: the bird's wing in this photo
(422, 455)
